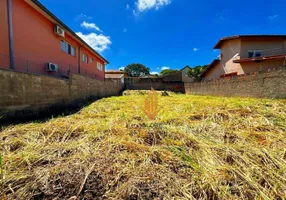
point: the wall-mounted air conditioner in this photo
(59, 31)
(51, 67)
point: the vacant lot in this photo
(197, 148)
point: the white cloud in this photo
(154, 73)
(97, 42)
(127, 7)
(121, 68)
(90, 26)
(195, 49)
(143, 5)
(135, 13)
(165, 67)
(82, 17)
(273, 17)
(124, 30)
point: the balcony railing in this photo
(274, 52)
(267, 53)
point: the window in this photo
(84, 58)
(66, 47)
(254, 53)
(91, 60)
(99, 66)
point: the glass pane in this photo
(69, 49)
(72, 51)
(258, 54)
(250, 54)
(99, 66)
(63, 45)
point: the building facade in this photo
(245, 54)
(39, 38)
(115, 76)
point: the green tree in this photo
(168, 71)
(196, 72)
(136, 70)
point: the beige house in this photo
(115, 76)
(245, 54)
(180, 76)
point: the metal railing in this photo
(274, 52)
(28, 66)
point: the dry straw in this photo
(198, 147)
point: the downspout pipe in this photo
(10, 33)
(79, 59)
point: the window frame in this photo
(254, 53)
(101, 66)
(68, 48)
(85, 58)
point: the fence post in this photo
(27, 66)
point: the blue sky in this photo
(166, 33)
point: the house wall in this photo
(262, 85)
(34, 40)
(4, 38)
(4, 42)
(91, 67)
(241, 46)
(250, 67)
(228, 50)
(23, 94)
(185, 77)
(260, 44)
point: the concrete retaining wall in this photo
(271, 84)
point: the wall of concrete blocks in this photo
(24, 94)
(268, 84)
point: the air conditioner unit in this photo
(59, 31)
(50, 67)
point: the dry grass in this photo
(199, 147)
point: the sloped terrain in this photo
(199, 147)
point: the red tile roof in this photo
(114, 76)
(222, 40)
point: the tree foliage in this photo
(136, 70)
(168, 71)
(196, 72)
